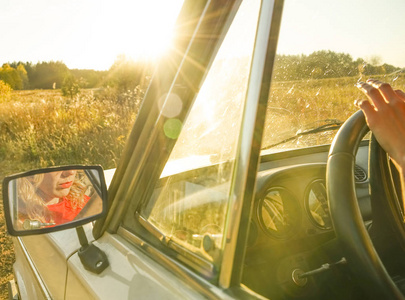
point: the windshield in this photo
(210, 133)
(320, 58)
(190, 202)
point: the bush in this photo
(70, 86)
(5, 91)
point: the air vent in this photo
(359, 174)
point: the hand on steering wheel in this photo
(385, 116)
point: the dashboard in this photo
(292, 202)
(291, 227)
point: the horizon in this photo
(146, 61)
(61, 61)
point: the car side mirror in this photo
(52, 199)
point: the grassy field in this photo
(299, 105)
(40, 128)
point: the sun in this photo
(138, 29)
(144, 29)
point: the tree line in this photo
(125, 74)
(326, 64)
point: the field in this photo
(41, 128)
(300, 105)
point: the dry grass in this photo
(40, 128)
(297, 105)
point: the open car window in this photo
(189, 205)
(320, 58)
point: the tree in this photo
(374, 60)
(10, 76)
(5, 90)
(326, 64)
(70, 86)
(91, 77)
(125, 74)
(46, 75)
(23, 75)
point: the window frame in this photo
(136, 176)
(250, 137)
(182, 72)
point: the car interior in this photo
(293, 250)
(292, 232)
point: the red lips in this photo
(66, 185)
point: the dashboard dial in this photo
(317, 204)
(278, 212)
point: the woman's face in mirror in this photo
(56, 185)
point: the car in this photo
(248, 174)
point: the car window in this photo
(320, 58)
(190, 202)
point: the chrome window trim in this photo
(247, 161)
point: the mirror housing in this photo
(53, 199)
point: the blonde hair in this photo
(32, 206)
(77, 191)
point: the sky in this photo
(90, 34)
(362, 28)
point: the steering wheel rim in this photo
(362, 258)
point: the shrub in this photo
(5, 91)
(70, 86)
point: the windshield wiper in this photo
(330, 124)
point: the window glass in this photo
(324, 48)
(190, 202)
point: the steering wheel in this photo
(363, 260)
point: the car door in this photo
(41, 263)
(182, 193)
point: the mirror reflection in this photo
(54, 198)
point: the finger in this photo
(384, 88)
(400, 94)
(368, 110)
(364, 105)
(373, 94)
